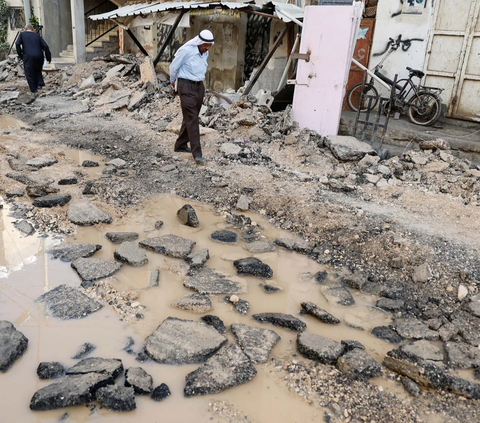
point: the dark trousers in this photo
(33, 72)
(191, 99)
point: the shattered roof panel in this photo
(148, 8)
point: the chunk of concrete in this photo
(347, 148)
(228, 368)
(178, 341)
(12, 345)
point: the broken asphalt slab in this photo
(83, 213)
(65, 302)
(92, 269)
(12, 345)
(70, 251)
(178, 341)
(256, 343)
(169, 245)
(228, 368)
(207, 281)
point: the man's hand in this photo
(173, 87)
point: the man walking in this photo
(187, 73)
(30, 48)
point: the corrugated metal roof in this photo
(148, 8)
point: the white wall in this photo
(409, 27)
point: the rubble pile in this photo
(10, 69)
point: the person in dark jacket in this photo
(31, 48)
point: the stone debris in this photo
(256, 343)
(337, 294)
(413, 328)
(241, 306)
(319, 348)
(111, 366)
(84, 350)
(90, 163)
(116, 398)
(139, 380)
(83, 213)
(92, 269)
(169, 245)
(228, 368)
(207, 281)
(197, 303)
(69, 391)
(297, 245)
(161, 392)
(50, 370)
(69, 251)
(39, 162)
(197, 259)
(423, 350)
(226, 237)
(321, 314)
(12, 345)
(252, 266)
(154, 278)
(260, 247)
(429, 374)
(214, 321)
(178, 341)
(346, 148)
(286, 321)
(31, 179)
(129, 253)
(25, 227)
(52, 200)
(69, 180)
(188, 216)
(243, 203)
(462, 355)
(358, 365)
(119, 237)
(270, 289)
(65, 302)
(387, 333)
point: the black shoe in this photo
(183, 150)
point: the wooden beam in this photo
(129, 32)
(169, 37)
(265, 61)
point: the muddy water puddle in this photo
(26, 272)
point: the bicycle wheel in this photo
(370, 97)
(424, 109)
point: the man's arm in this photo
(176, 64)
(18, 46)
(45, 48)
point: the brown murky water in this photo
(27, 272)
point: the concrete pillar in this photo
(78, 30)
(26, 10)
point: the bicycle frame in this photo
(370, 72)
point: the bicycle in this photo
(421, 104)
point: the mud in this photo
(385, 233)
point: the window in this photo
(17, 18)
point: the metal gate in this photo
(257, 42)
(453, 61)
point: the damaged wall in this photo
(56, 19)
(270, 77)
(227, 56)
(146, 35)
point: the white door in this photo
(453, 60)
